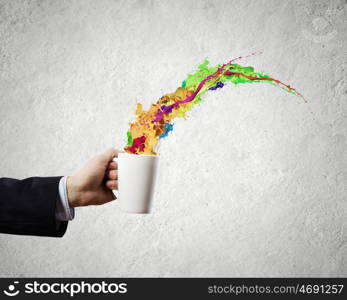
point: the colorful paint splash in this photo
(154, 124)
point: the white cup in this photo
(136, 181)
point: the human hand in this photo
(93, 184)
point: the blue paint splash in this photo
(219, 85)
(168, 127)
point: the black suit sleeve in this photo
(27, 207)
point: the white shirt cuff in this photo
(63, 212)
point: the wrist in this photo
(74, 194)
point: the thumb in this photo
(108, 155)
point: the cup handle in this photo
(115, 192)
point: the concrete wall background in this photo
(252, 184)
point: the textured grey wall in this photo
(252, 184)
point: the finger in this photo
(108, 155)
(118, 151)
(112, 165)
(112, 174)
(112, 184)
